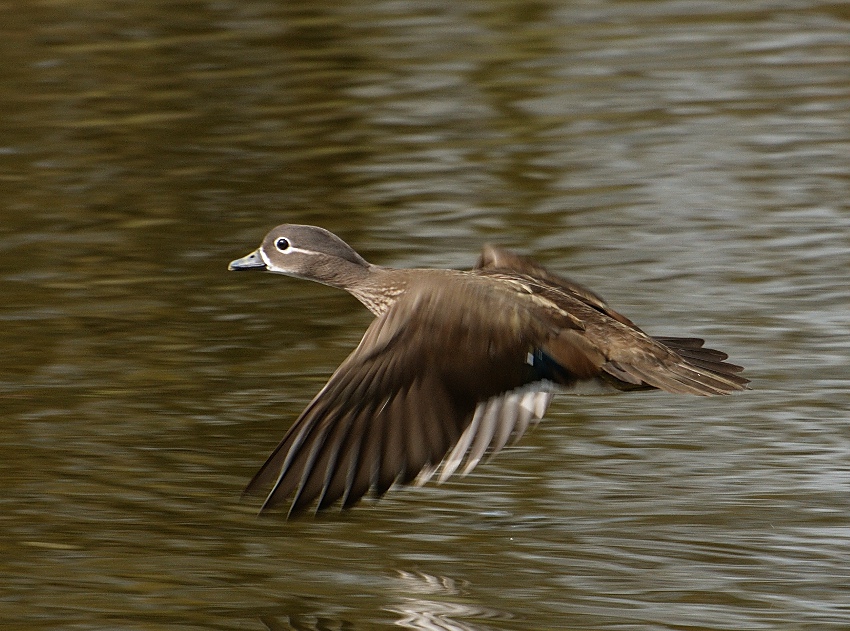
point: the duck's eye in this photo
(282, 244)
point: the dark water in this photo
(688, 160)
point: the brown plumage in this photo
(455, 364)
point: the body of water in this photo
(687, 160)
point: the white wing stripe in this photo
(492, 418)
(492, 425)
(452, 461)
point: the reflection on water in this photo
(422, 601)
(686, 160)
(431, 602)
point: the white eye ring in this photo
(282, 244)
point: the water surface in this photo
(688, 160)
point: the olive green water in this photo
(688, 160)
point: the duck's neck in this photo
(376, 287)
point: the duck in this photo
(454, 366)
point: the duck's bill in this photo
(252, 261)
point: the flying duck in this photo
(454, 365)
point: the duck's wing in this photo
(634, 359)
(494, 258)
(449, 364)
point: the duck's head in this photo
(307, 252)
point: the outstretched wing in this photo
(410, 391)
